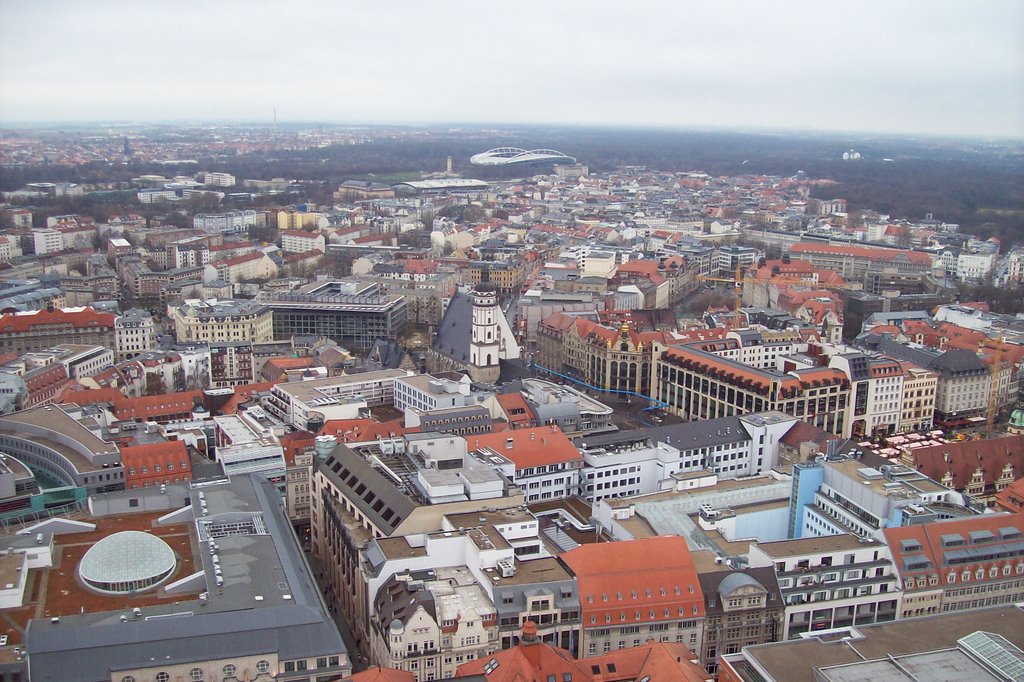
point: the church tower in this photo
(485, 344)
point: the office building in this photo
(831, 582)
(350, 314)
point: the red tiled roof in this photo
(1011, 498)
(79, 319)
(532, 661)
(874, 253)
(963, 458)
(380, 674)
(357, 430)
(527, 448)
(244, 392)
(929, 539)
(620, 580)
(156, 458)
(238, 260)
(156, 407)
(91, 396)
(516, 409)
(662, 661)
(285, 363)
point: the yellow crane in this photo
(993, 394)
(737, 282)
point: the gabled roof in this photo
(528, 448)
(380, 674)
(243, 392)
(961, 459)
(78, 318)
(1011, 498)
(873, 253)
(151, 454)
(661, 661)
(530, 661)
(360, 430)
(456, 328)
(631, 580)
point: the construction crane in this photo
(737, 282)
(993, 394)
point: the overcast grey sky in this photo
(893, 66)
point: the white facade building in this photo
(232, 221)
(134, 333)
(343, 397)
(972, 267)
(297, 241)
(47, 241)
(428, 393)
(665, 458)
(831, 582)
(216, 179)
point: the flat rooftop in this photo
(796, 661)
(308, 390)
(263, 569)
(826, 543)
(668, 513)
(531, 571)
(912, 481)
(54, 419)
(57, 592)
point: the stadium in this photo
(514, 156)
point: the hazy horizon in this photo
(952, 69)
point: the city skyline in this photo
(914, 68)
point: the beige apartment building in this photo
(222, 321)
(917, 407)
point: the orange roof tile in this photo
(78, 319)
(380, 674)
(357, 430)
(528, 448)
(929, 539)
(874, 253)
(516, 409)
(636, 581)
(654, 660)
(244, 392)
(91, 396)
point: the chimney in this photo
(529, 632)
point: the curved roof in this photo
(126, 557)
(506, 156)
(734, 581)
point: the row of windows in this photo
(197, 674)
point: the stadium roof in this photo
(444, 183)
(506, 156)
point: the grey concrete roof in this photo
(708, 432)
